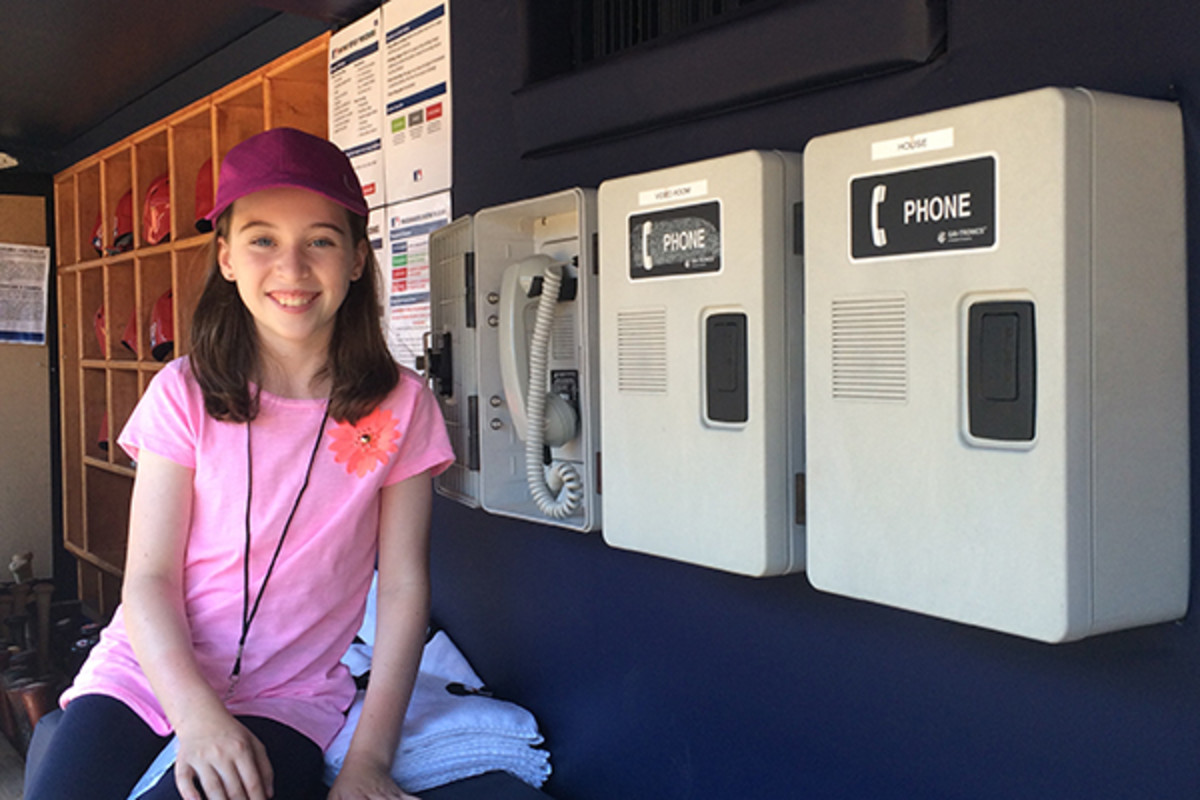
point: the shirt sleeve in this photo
(165, 419)
(424, 444)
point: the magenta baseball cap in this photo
(288, 157)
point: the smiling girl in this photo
(277, 465)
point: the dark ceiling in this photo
(68, 66)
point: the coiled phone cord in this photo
(558, 504)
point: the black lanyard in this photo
(249, 612)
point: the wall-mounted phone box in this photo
(997, 363)
(701, 324)
(518, 297)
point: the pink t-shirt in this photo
(313, 604)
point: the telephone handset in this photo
(647, 232)
(878, 234)
(529, 294)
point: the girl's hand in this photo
(360, 780)
(224, 758)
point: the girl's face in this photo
(291, 254)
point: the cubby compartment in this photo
(117, 179)
(191, 152)
(69, 401)
(120, 311)
(73, 515)
(108, 495)
(110, 591)
(240, 114)
(151, 200)
(94, 330)
(156, 327)
(97, 433)
(68, 318)
(67, 228)
(88, 217)
(296, 95)
(89, 588)
(99, 590)
(123, 396)
(191, 267)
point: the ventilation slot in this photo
(642, 351)
(870, 348)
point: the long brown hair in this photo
(224, 355)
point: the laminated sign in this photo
(417, 135)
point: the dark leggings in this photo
(100, 749)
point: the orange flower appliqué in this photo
(364, 446)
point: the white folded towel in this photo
(450, 735)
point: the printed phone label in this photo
(675, 241)
(928, 210)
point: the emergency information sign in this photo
(926, 210)
(24, 281)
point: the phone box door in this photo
(514, 245)
(450, 354)
(997, 363)
(702, 383)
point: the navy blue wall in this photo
(653, 679)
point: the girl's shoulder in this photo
(169, 415)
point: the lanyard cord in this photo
(248, 612)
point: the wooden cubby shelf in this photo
(107, 291)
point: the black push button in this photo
(999, 343)
(1001, 371)
(725, 368)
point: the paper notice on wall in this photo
(24, 279)
(407, 271)
(356, 101)
(417, 140)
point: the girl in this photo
(276, 466)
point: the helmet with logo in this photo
(156, 211)
(162, 328)
(122, 232)
(97, 236)
(128, 336)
